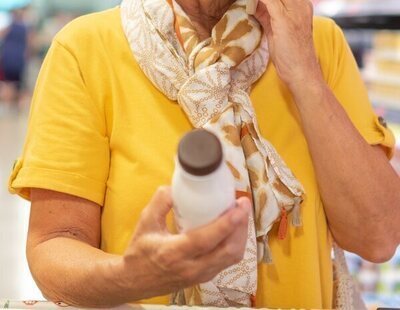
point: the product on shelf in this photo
(382, 72)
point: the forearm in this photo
(78, 274)
(359, 189)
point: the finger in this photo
(234, 245)
(203, 240)
(309, 4)
(263, 16)
(228, 253)
(245, 204)
(154, 215)
(274, 7)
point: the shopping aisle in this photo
(15, 280)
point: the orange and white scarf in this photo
(211, 81)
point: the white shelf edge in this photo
(388, 55)
(371, 75)
(340, 8)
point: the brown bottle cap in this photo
(200, 152)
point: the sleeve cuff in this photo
(23, 179)
(382, 135)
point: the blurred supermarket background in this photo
(26, 30)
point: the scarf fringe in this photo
(178, 298)
(296, 216)
(265, 254)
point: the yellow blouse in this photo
(99, 129)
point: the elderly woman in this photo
(280, 89)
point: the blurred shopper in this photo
(13, 54)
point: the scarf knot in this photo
(211, 81)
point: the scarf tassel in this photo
(267, 257)
(178, 298)
(296, 219)
(264, 251)
(282, 230)
(296, 215)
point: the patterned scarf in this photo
(211, 81)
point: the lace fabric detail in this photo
(346, 293)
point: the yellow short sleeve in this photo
(66, 148)
(345, 80)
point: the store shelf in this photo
(387, 55)
(368, 14)
(379, 78)
(75, 6)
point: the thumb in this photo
(264, 18)
(245, 204)
(154, 215)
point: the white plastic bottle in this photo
(203, 187)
